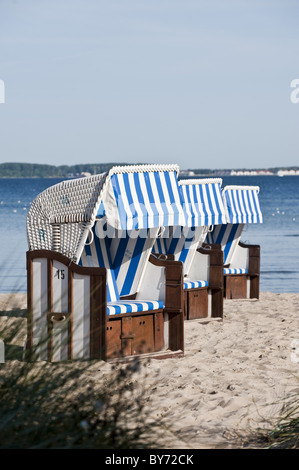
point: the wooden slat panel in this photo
(143, 340)
(40, 308)
(98, 316)
(29, 342)
(113, 341)
(81, 316)
(236, 286)
(50, 308)
(185, 305)
(59, 303)
(126, 336)
(70, 309)
(197, 303)
(159, 331)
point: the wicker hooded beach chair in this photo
(203, 277)
(241, 261)
(84, 285)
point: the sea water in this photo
(16, 196)
(278, 235)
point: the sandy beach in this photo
(234, 375)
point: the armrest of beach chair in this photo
(254, 258)
(163, 280)
(216, 264)
(216, 280)
(253, 268)
(214, 246)
(174, 299)
(173, 282)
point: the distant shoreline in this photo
(29, 177)
(37, 170)
(182, 174)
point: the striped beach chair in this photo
(86, 262)
(241, 261)
(203, 277)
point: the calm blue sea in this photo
(278, 235)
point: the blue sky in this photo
(204, 84)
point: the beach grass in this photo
(44, 408)
(285, 433)
(49, 405)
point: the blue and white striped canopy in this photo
(144, 196)
(202, 202)
(242, 204)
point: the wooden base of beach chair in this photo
(142, 334)
(67, 314)
(235, 286)
(129, 335)
(196, 304)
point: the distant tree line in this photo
(35, 170)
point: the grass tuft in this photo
(65, 405)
